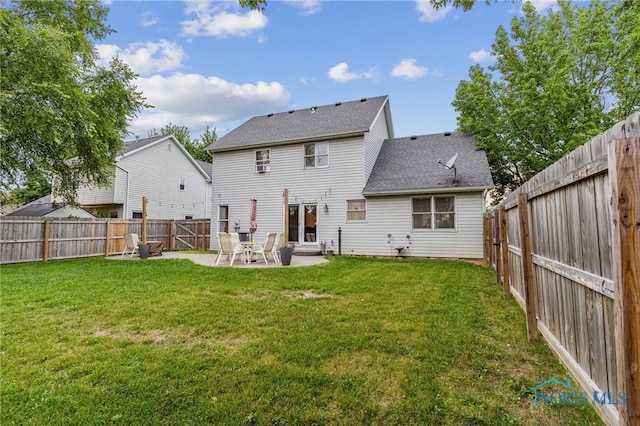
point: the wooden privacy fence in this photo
(566, 245)
(28, 239)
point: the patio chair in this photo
(228, 248)
(275, 250)
(266, 248)
(131, 242)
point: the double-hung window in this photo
(263, 161)
(356, 210)
(223, 219)
(316, 155)
(434, 213)
(182, 184)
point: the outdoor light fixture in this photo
(326, 208)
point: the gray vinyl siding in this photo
(373, 142)
(234, 182)
(392, 215)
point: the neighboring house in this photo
(159, 168)
(44, 207)
(343, 170)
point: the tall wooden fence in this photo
(566, 246)
(28, 239)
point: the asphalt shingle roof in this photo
(139, 143)
(339, 119)
(40, 207)
(407, 164)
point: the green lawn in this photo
(354, 341)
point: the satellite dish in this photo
(451, 164)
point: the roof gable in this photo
(132, 147)
(407, 165)
(328, 121)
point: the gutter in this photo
(290, 141)
(426, 191)
(126, 197)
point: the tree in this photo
(56, 103)
(196, 147)
(36, 185)
(558, 81)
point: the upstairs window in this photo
(182, 184)
(316, 155)
(263, 161)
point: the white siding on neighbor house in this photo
(154, 173)
(373, 143)
(68, 211)
(93, 195)
(235, 181)
(392, 215)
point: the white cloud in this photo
(541, 5)
(407, 68)
(428, 14)
(309, 7)
(148, 19)
(480, 56)
(372, 73)
(145, 58)
(213, 20)
(195, 101)
(307, 81)
(341, 74)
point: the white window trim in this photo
(346, 219)
(261, 168)
(433, 228)
(182, 182)
(315, 155)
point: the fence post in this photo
(505, 252)
(527, 266)
(624, 179)
(496, 245)
(106, 238)
(45, 240)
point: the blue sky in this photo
(211, 63)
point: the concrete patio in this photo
(207, 259)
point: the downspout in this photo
(126, 197)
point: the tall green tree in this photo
(558, 80)
(195, 147)
(56, 102)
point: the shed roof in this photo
(340, 119)
(410, 165)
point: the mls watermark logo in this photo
(569, 396)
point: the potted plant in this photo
(285, 254)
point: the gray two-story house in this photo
(322, 169)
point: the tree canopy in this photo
(558, 81)
(56, 102)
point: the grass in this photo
(355, 341)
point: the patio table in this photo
(247, 251)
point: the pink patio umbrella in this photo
(253, 226)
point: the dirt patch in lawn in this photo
(173, 338)
(306, 294)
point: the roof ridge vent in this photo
(292, 111)
(447, 133)
(313, 109)
(338, 103)
(270, 115)
(363, 100)
(413, 138)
